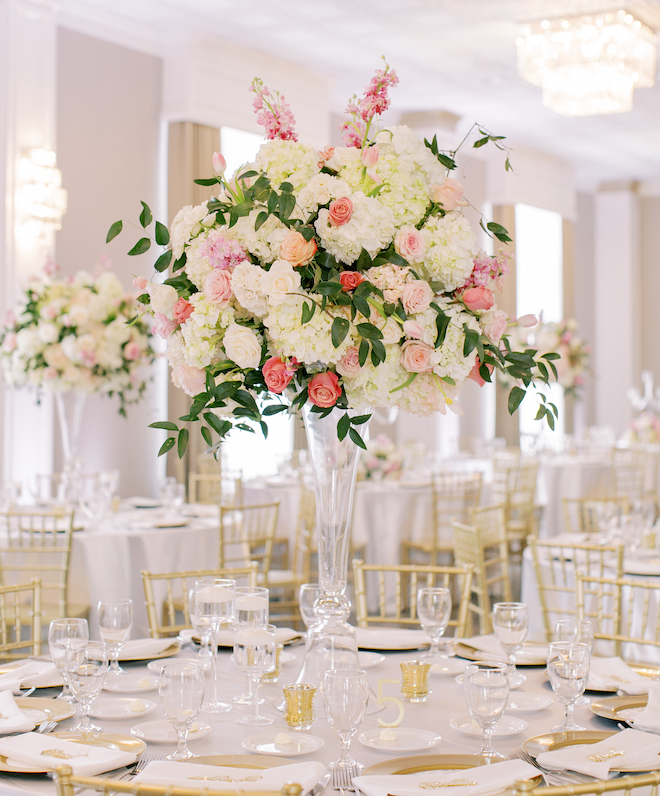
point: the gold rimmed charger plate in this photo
(615, 708)
(552, 741)
(50, 709)
(650, 672)
(241, 761)
(472, 654)
(168, 652)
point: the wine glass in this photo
(486, 687)
(345, 695)
(254, 654)
(115, 622)
(576, 630)
(181, 692)
(307, 597)
(86, 668)
(214, 600)
(568, 670)
(434, 610)
(61, 634)
(251, 611)
(510, 625)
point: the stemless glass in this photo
(433, 611)
(181, 692)
(486, 687)
(254, 654)
(568, 670)
(307, 596)
(61, 634)
(576, 630)
(345, 695)
(115, 623)
(214, 600)
(510, 625)
(86, 668)
(251, 611)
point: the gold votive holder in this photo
(415, 684)
(299, 705)
(273, 674)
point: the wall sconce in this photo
(40, 198)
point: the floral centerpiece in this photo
(382, 459)
(643, 430)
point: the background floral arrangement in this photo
(75, 333)
(346, 277)
(382, 459)
(643, 430)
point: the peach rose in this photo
(217, 287)
(413, 329)
(132, 350)
(182, 310)
(340, 211)
(494, 323)
(140, 283)
(350, 280)
(475, 375)
(449, 194)
(416, 296)
(349, 364)
(163, 326)
(324, 389)
(296, 250)
(478, 298)
(410, 244)
(277, 374)
(416, 357)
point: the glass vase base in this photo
(217, 707)
(255, 721)
(185, 754)
(568, 726)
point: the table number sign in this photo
(384, 699)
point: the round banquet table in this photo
(444, 703)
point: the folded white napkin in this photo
(30, 674)
(46, 751)
(639, 749)
(190, 775)
(390, 638)
(143, 647)
(606, 674)
(12, 718)
(649, 718)
(491, 650)
(283, 635)
(480, 781)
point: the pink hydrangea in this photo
(221, 251)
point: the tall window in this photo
(238, 147)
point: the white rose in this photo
(279, 281)
(70, 348)
(48, 332)
(28, 343)
(246, 285)
(242, 346)
(163, 298)
(78, 315)
(391, 332)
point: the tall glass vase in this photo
(70, 414)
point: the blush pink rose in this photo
(416, 356)
(350, 280)
(324, 389)
(140, 283)
(413, 329)
(495, 323)
(217, 287)
(475, 375)
(410, 244)
(191, 380)
(416, 296)
(449, 195)
(349, 364)
(277, 374)
(340, 211)
(182, 310)
(163, 326)
(527, 320)
(132, 350)
(296, 250)
(478, 298)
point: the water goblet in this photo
(251, 611)
(254, 654)
(433, 611)
(214, 601)
(202, 626)
(486, 687)
(307, 597)
(510, 625)
(568, 670)
(61, 634)
(86, 668)
(181, 690)
(345, 695)
(115, 622)
(576, 630)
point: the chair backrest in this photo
(37, 544)
(166, 595)
(207, 464)
(586, 515)
(223, 490)
(401, 581)
(247, 534)
(13, 602)
(301, 560)
(651, 471)
(555, 568)
(454, 496)
(514, 481)
(627, 471)
(622, 785)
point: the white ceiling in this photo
(454, 55)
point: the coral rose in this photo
(296, 250)
(277, 374)
(217, 287)
(416, 357)
(410, 244)
(349, 364)
(324, 389)
(182, 310)
(494, 323)
(350, 280)
(416, 296)
(478, 298)
(340, 211)
(449, 195)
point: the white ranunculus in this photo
(246, 284)
(163, 298)
(242, 346)
(281, 280)
(48, 332)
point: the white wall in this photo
(584, 298)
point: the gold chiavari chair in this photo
(623, 785)
(483, 544)
(585, 515)
(651, 472)
(247, 534)
(454, 496)
(176, 586)
(402, 582)
(556, 567)
(627, 471)
(514, 486)
(219, 489)
(207, 464)
(13, 603)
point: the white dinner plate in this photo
(121, 707)
(521, 702)
(171, 522)
(405, 739)
(131, 683)
(506, 726)
(162, 731)
(300, 743)
(368, 660)
(157, 666)
(449, 667)
(518, 681)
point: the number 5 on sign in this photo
(383, 699)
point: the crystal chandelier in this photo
(588, 65)
(41, 197)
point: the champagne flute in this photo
(86, 667)
(251, 611)
(61, 634)
(486, 687)
(181, 692)
(510, 625)
(214, 600)
(576, 630)
(568, 670)
(345, 695)
(434, 610)
(307, 597)
(115, 623)
(254, 654)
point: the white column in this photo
(617, 349)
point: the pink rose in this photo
(340, 211)
(217, 287)
(349, 364)
(449, 195)
(277, 374)
(324, 389)
(416, 296)
(325, 154)
(132, 350)
(219, 163)
(478, 298)
(140, 283)
(410, 244)
(494, 323)
(527, 320)
(370, 156)
(416, 357)
(182, 310)
(296, 250)
(475, 375)
(163, 326)
(413, 329)
(350, 280)
(191, 380)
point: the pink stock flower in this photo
(527, 320)
(277, 374)
(132, 350)
(222, 251)
(352, 133)
(273, 112)
(296, 250)
(340, 211)
(350, 280)
(487, 272)
(324, 389)
(349, 364)
(219, 163)
(478, 298)
(375, 100)
(140, 283)
(163, 326)
(416, 356)
(449, 195)
(182, 310)
(413, 329)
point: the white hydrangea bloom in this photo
(197, 266)
(288, 161)
(390, 279)
(427, 394)
(187, 224)
(263, 243)
(373, 386)
(450, 250)
(320, 190)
